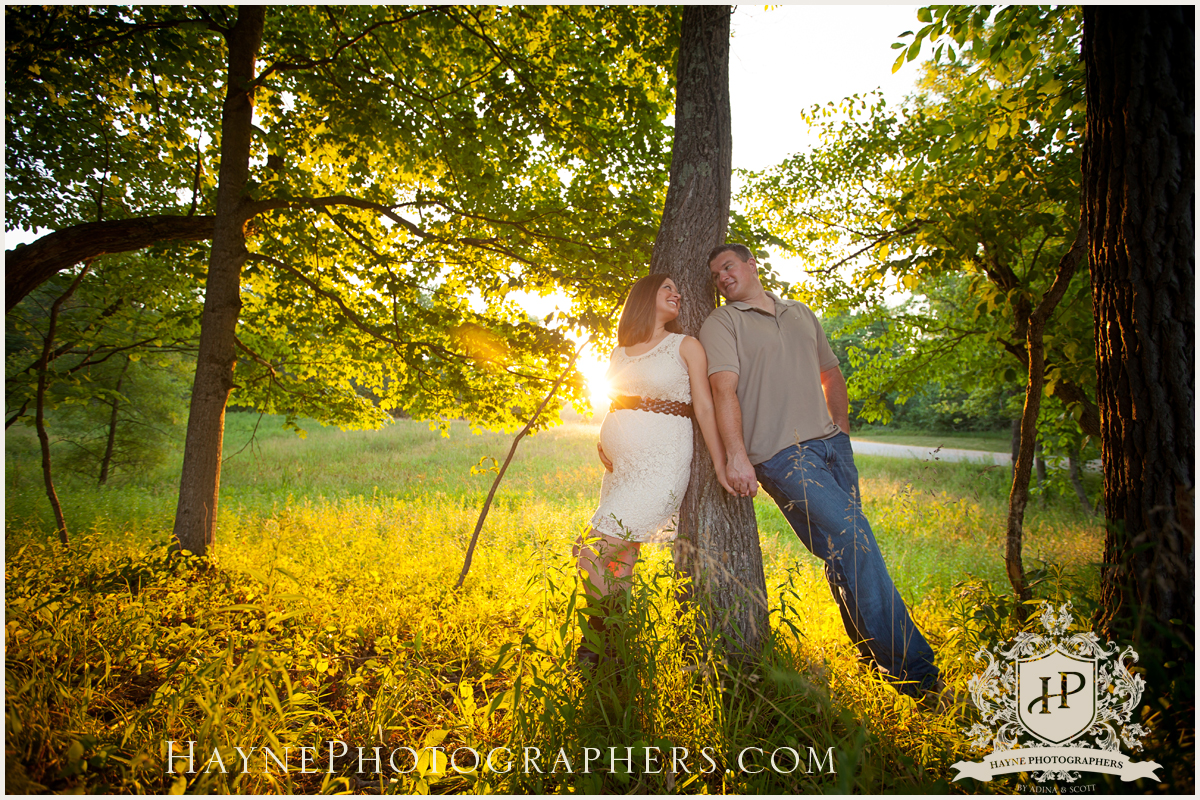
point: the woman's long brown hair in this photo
(637, 316)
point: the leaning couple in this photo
(771, 402)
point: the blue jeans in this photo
(815, 485)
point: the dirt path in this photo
(868, 448)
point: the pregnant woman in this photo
(660, 381)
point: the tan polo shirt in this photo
(778, 360)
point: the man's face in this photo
(736, 279)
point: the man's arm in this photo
(738, 470)
(837, 399)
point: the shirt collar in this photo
(780, 303)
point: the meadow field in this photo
(326, 619)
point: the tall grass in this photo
(325, 615)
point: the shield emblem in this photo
(1056, 695)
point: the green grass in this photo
(987, 441)
(326, 613)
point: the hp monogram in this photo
(1056, 693)
(1064, 692)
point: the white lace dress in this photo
(651, 453)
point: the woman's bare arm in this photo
(702, 404)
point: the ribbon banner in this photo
(1057, 759)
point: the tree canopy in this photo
(968, 196)
(410, 167)
(974, 176)
(375, 182)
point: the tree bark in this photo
(717, 544)
(200, 480)
(1139, 177)
(1018, 496)
(111, 442)
(27, 266)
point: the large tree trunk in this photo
(200, 481)
(717, 545)
(1139, 175)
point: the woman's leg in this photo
(605, 565)
(604, 562)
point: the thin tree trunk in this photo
(1073, 472)
(1016, 441)
(39, 418)
(1039, 468)
(1139, 175)
(487, 504)
(112, 424)
(200, 480)
(1018, 496)
(60, 521)
(717, 544)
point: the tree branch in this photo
(362, 325)
(107, 312)
(282, 66)
(1072, 393)
(27, 267)
(873, 243)
(1017, 350)
(487, 504)
(1062, 277)
(20, 413)
(254, 209)
(519, 225)
(196, 183)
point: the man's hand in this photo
(740, 479)
(740, 474)
(603, 458)
(724, 481)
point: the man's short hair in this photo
(739, 250)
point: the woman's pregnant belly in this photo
(639, 436)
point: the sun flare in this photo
(594, 369)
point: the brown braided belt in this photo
(650, 404)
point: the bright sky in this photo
(782, 61)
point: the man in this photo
(784, 416)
